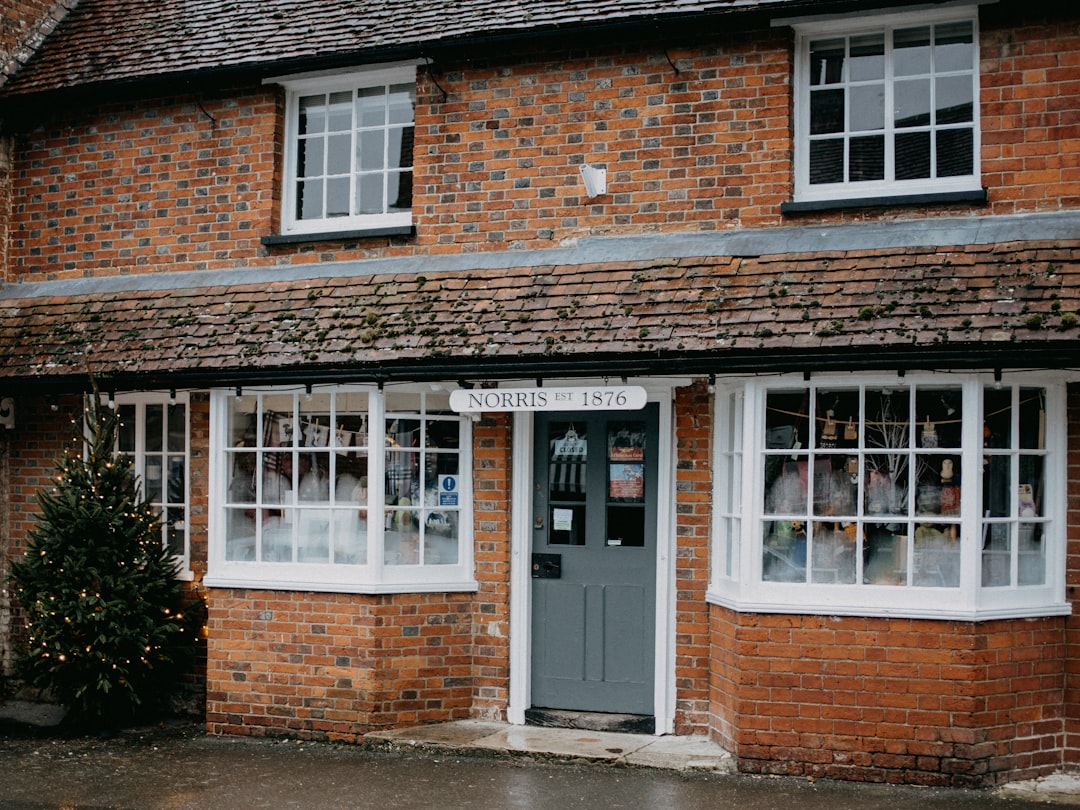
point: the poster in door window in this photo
(626, 482)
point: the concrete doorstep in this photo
(489, 738)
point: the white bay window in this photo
(927, 495)
(342, 488)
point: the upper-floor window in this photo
(887, 106)
(345, 488)
(940, 495)
(349, 151)
(153, 431)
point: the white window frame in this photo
(848, 26)
(330, 82)
(740, 586)
(376, 576)
(139, 460)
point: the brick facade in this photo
(707, 148)
(696, 137)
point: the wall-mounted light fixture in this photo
(7, 412)
(595, 178)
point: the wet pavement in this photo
(176, 766)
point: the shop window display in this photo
(303, 483)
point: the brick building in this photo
(720, 357)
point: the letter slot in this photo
(547, 566)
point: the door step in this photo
(591, 721)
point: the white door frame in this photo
(662, 391)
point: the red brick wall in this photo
(693, 483)
(191, 183)
(333, 666)
(901, 700)
(1072, 580)
(891, 700)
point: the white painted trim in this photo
(664, 697)
(520, 585)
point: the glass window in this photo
(154, 433)
(342, 486)
(350, 142)
(887, 111)
(882, 496)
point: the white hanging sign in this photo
(598, 398)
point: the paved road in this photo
(177, 768)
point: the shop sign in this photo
(598, 398)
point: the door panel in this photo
(595, 507)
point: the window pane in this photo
(371, 107)
(912, 155)
(996, 556)
(1032, 419)
(784, 551)
(369, 193)
(154, 428)
(310, 157)
(911, 51)
(399, 191)
(177, 428)
(955, 153)
(886, 561)
(153, 479)
(997, 486)
(954, 47)
(370, 150)
(886, 484)
(1031, 563)
(400, 104)
(888, 418)
(337, 197)
(912, 103)
(955, 100)
(312, 117)
(867, 159)
(867, 57)
(338, 157)
(175, 532)
(827, 161)
(826, 61)
(826, 111)
(309, 202)
(997, 417)
(339, 116)
(1029, 491)
(125, 437)
(937, 556)
(833, 555)
(867, 108)
(786, 484)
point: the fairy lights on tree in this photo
(106, 634)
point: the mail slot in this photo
(547, 566)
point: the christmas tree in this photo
(106, 635)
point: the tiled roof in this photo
(123, 40)
(861, 306)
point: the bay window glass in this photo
(887, 105)
(341, 488)
(939, 493)
(153, 432)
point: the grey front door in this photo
(594, 561)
